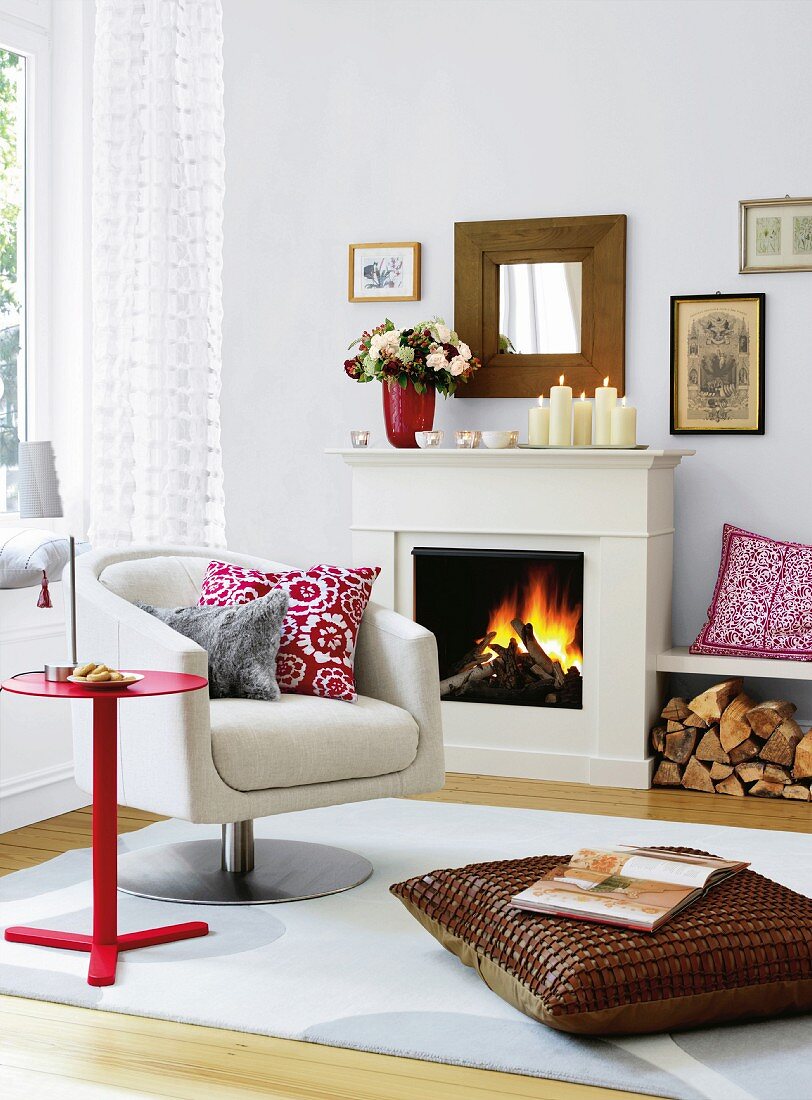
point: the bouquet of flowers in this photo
(429, 355)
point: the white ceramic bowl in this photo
(499, 441)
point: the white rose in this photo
(443, 332)
(375, 346)
(384, 344)
(464, 351)
(457, 365)
(436, 361)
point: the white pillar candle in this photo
(582, 422)
(605, 401)
(561, 415)
(624, 425)
(538, 424)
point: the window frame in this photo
(33, 43)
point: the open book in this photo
(639, 888)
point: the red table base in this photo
(105, 943)
(104, 956)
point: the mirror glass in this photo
(540, 308)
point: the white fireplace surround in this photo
(617, 508)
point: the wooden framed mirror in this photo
(542, 297)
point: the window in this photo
(12, 270)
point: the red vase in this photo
(406, 412)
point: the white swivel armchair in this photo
(228, 761)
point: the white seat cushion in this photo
(300, 740)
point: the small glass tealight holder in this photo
(360, 437)
(514, 439)
(465, 440)
(429, 439)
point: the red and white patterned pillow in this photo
(327, 602)
(762, 603)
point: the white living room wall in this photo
(351, 121)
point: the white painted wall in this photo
(353, 121)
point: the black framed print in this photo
(717, 364)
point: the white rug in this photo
(355, 970)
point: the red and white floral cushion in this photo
(327, 602)
(762, 603)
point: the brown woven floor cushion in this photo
(742, 952)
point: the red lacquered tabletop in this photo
(154, 683)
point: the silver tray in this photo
(582, 447)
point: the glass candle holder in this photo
(465, 440)
(514, 439)
(429, 439)
(477, 438)
(359, 437)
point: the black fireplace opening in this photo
(508, 623)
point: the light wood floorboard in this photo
(65, 1053)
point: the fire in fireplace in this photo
(508, 623)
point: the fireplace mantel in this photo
(565, 458)
(617, 508)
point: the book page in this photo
(667, 870)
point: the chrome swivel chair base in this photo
(240, 871)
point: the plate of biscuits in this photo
(92, 675)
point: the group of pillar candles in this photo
(565, 423)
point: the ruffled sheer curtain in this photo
(158, 185)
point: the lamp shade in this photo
(37, 483)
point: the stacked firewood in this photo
(518, 672)
(724, 742)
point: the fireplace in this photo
(508, 623)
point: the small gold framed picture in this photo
(385, 272)
(775, 235)
(717, 364)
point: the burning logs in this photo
(724, 742)
(520, 672)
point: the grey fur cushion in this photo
(241, 640)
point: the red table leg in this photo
(105, 942)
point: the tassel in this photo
(44, 596)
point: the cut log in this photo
(732, 785)
(674, 727)
(452, 685)
(668, 774)
(765, 789)
(734, 727)
(745, 751)
(720, 771)
(780, 748)
(695, 720)
(776, 773)
(657, 736)
(679, 745)
(539, 673)
(797, 791)
(696, 777)
(711, 704)
(675, 710)
(710, 747)
(768, 716)
(540, 658)
(802, 766)
(477, 656)
(750, 772)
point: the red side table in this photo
(105, 943)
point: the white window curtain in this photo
(158, 185)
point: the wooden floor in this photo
(50, 1051)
